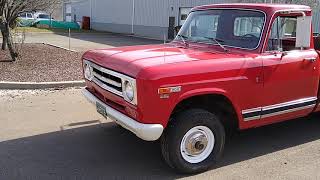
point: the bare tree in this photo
(9, 11)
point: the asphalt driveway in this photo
(58, 135)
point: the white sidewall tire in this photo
(179, 127)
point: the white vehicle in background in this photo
(26, 19)
(41, 16)
(26, 16)
(32, 18)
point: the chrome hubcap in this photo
(197, 144)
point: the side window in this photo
(283, 34)
(29, 15)
(248, 26)
(22, 15)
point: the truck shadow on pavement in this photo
(106, 151)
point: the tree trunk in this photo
(4, 41)
(11, 48)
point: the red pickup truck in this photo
(231, 66)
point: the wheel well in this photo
(217, 104)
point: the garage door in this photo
(68, 12)
(183, 15)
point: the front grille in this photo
(110, 80)
(107, 79)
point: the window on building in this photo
(283, 34)
(184, 17)
(184, 12)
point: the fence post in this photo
(69, 39)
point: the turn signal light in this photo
(168, 90)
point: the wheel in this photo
(193, 141)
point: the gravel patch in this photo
(41, 63)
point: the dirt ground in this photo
(41, 63)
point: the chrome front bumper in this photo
(147, 132)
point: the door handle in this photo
(312, 59)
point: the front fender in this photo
(209, 91)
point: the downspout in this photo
(91, 8)
(91, 18)
(133, 16)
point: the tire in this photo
(196, 121)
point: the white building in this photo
(149, 18)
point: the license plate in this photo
(101, 109)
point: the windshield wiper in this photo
(184, 39)
(217, 41)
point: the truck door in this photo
(291, 75)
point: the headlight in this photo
(129, 91)
(88, 71)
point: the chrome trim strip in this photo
(258, 113)
(299, 101)
(147, 132)
(109, 81)
(251, 110)
(252, 118)
(288, 111)
(245, 9)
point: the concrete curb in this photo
(40, 85)
(56, 46)
(66, 32)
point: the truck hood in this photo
(130, 60)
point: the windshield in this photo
(226, 27)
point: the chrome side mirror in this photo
(303, 32)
